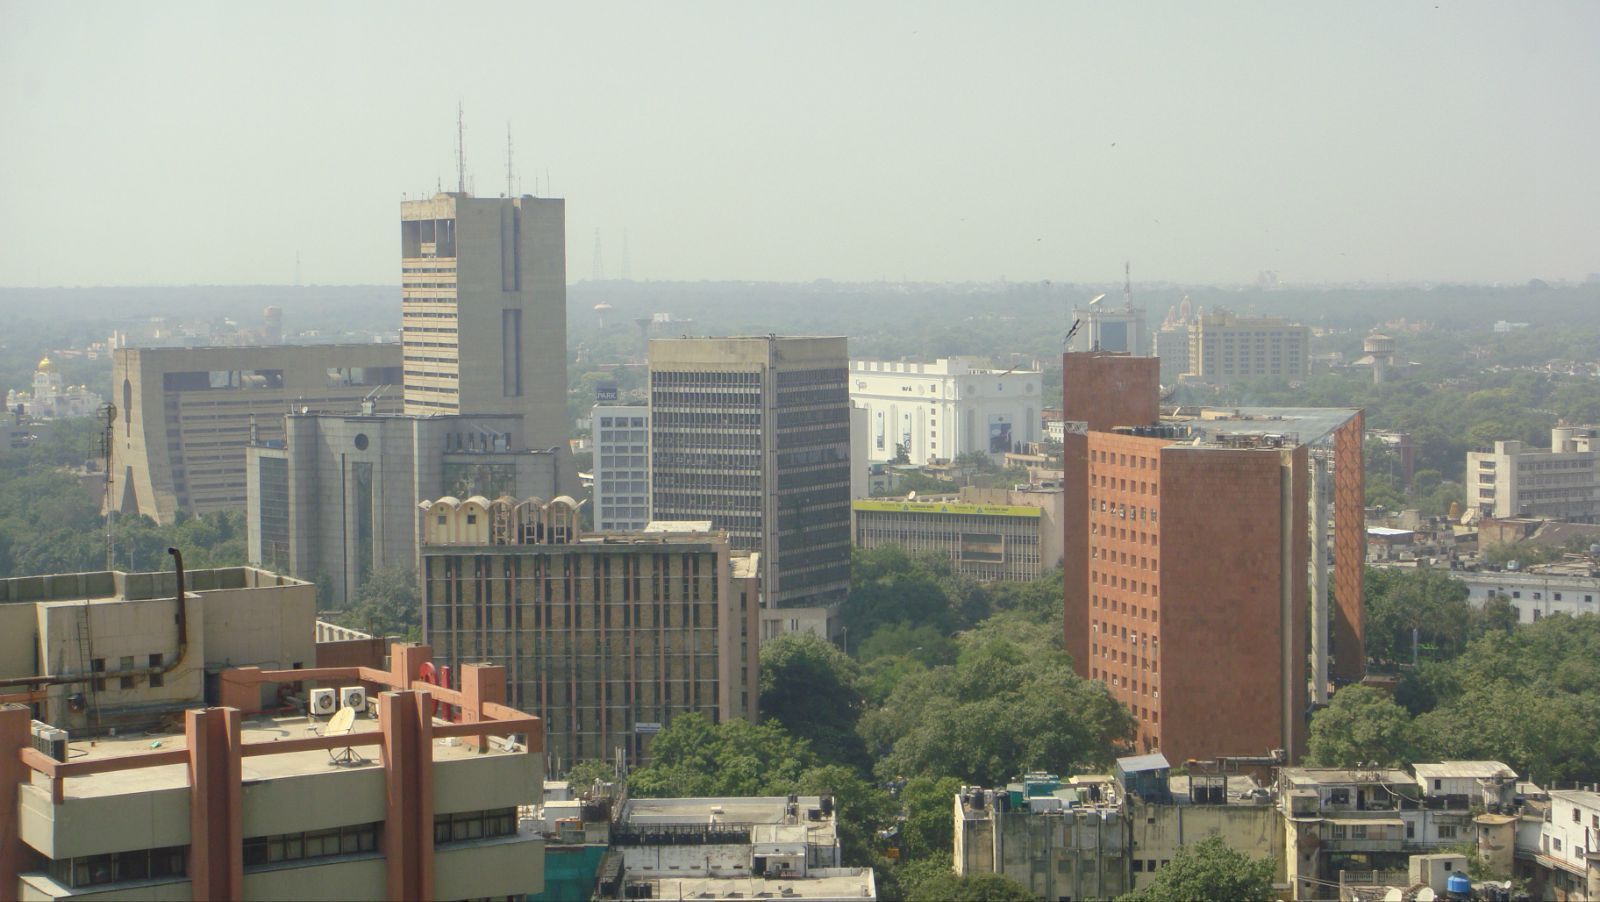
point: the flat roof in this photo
(1311, 424)
(1314, 776)
(1481, 770)
(256, 767)
(734, 810)
(1577, 796)
(834, 883)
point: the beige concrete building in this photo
(186, 415)
(121, 650)
(1225, 347)
(235, 803)
(988, 534)
(484, 309)
(942, 409)
(1562, 483)
(753, 434)
(607, 636)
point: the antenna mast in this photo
(461, 152)
(598, 264)
(1127, 285)
(509, 191)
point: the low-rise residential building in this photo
(1539, 591)
(1060, 840)
(988, 534)
(1569, 845)
(729, 848)
(1562, 483)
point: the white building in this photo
(1568, 839)
(1562, 483)
(1536, 593)
(943, 409)
(621, 468)
(50, 399)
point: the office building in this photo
(186, 415)
(1225, 347)
(338, 502)
(1110, 328)
(608, 637)
(621, 467)
(248, 801)
(988, 534)
(1172, 347)
(941, 410)
(484, 309)
(1194, 612)
(1562, 483)
(753, 434)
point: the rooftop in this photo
(726, 810)
(119, 585)
(1582, 797)
(1479, 770)
(1324, 776)
(826, 883)
(1311, 424)
(260, 729)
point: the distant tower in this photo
(600, 310)
(627, 270)
(510, 187)
(1127, 285)
(597, 270)
(272, 326)
(461, 150)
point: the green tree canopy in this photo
(693, 757)
(1361, 725)
(934, 881)
(813, 690)
(1207, 870)
(388, 604)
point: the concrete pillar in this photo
(407, 724)
(216, 824)
(405, 660)
(14, 737)
(1319, 579)
(481, 684)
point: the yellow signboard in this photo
(946, 507)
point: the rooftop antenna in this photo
(461, 150)
(1127, 285)
(598, 269)
(508, 161)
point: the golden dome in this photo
(45, 365)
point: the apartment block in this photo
(753, 434)
(1192, 611)
(484, 309)
(239, 802)
(1225, 347)
(621, 467)
(946, 408)
(607, 636)
(1562, 483)
(186, 415)
(988, 534)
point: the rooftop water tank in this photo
(1458, 885)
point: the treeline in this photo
(50, 520)
(1482, 688)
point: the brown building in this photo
(606, 636)
(1189, 559)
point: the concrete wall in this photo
(345, 878)
(1159, 831)
(1110, 390)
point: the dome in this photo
(46, 365)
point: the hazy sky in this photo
(151, 143)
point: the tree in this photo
(863, 809)
(902, 454)
(693, 757)
(1431, 602)
(387, 605)
(583, 775)
(813, 690)
(928, 831)
(1209, 869)
(936, 882)
(1361, 725)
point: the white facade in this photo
(1562, 483)
(1535, 594)
(946, 408)
(1573, 830)
(621, 468)
(50, 399)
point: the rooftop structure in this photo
(1562, 483)
(988, 534)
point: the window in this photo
(1339, 796)
(115, 867)
(1577, 816)
(354, 839)
(1138, 866)
(471, 825)
(1447, 831)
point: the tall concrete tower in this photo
(484, 319)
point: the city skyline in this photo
(730, 143)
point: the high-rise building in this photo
(1225, 347)
(621, 467)
(753, 434)
(943, 409)
(186, 415)
(484, 309)
(1172, 346)
(608, 637)
(1195, 612)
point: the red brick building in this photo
(1188, 557)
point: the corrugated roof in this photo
(1138, 763)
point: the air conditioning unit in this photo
(324, 702)
(354, 697)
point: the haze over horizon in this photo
(180, 143)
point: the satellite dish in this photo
(911, 495)
(342, 722)
(1098, 298)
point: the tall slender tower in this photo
(484, 309)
